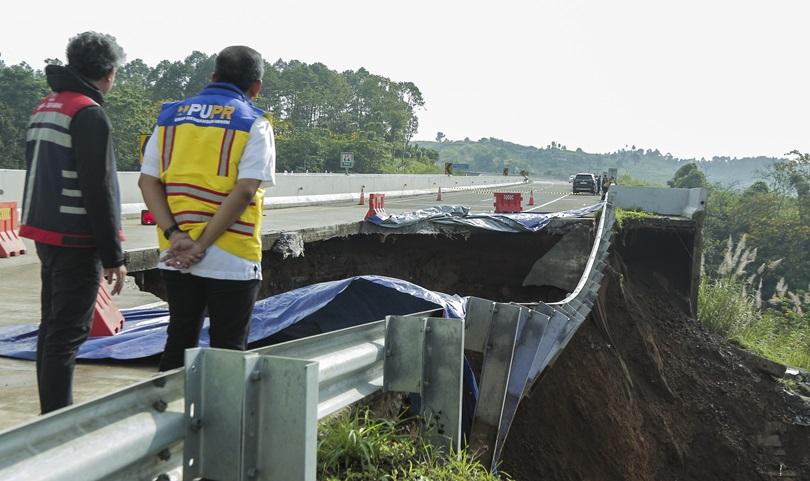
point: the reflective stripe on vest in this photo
(191, 217)
(53, 208)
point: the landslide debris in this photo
(668, 401)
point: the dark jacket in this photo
(71, 196)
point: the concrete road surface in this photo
(19, 284)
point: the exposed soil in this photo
(485, 264)
(668, 402)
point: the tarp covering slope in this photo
(309, 310)
(460, 215)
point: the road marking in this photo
(547, 203)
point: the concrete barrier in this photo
(298, 189)
(663, 201)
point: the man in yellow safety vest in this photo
(203, 177)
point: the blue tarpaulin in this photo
(460, 215)
(309, 310)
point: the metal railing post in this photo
(496, 368)
(425, 356)
(220, 404)
(287, 446)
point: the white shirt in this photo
(258, 162)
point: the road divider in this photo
(10, 243)
(376, 205)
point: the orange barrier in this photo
(508, 202)
(107, 319)
(376, 205)
(147, 218)
(10, 243)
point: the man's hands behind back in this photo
(184, 251)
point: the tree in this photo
(758, 187)
(440, 137)
(688, 176)
(794, 174)
(317, 112)
(21, 88)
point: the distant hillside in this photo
(556, 161)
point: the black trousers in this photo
(229, 304)
(70, 279)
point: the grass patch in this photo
(356, 446)
(624, 214)
(726, 308)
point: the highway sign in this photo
(346, 160)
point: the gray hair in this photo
(94, 55)
(240, 66)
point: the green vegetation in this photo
(558, 161)
(629, 180)
(624, 214)
(688, 177)
(770, 220)
(356, 446)
(727, 308)
(318, 112)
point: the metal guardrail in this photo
(138, 433)
(112, 437)
(519, 342)
(247, 416)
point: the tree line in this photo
(756, 259)
(317, 112)
(557, 160)
(763, 231)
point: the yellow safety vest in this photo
(201, 141)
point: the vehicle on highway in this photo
(585, 182)
(571, 178)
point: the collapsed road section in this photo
(617, 403)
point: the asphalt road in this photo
(548, 197)
(19, 283)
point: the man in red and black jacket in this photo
(71, 206)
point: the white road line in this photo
(547, 203)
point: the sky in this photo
(696, 78)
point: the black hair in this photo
(239, 65)
(94, 55)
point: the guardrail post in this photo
(288, 420)
(425, 356)
(499, 350)
(250, 417)
(528, 342)
(216, 394)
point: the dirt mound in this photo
(668, 401)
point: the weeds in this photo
(724, 307)
(732, 306)
(625, 214)
(355, 446)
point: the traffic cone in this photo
(531, 197)
(362, 196)
(439, 197)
